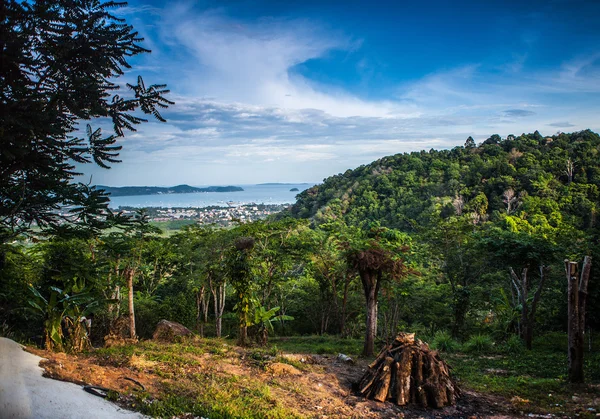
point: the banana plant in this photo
(61, 312)
(264, 318)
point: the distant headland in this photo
(156, 190)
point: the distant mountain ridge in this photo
(157, 190)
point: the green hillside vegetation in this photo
(552, 177)
(475, 212)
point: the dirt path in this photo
(24, 393)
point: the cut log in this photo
(408, 372)
(380, 387)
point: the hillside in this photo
(155, 190)
(555, 176)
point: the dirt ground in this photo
(322, 388)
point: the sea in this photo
(266, 193)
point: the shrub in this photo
(479, 343)
(443, 341)
(514, 345)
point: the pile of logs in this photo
(407, 371)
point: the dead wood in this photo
(407, 371)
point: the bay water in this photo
(268, 193)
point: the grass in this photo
(443, 342)
(534, 380)
(322, 345)
(212, 378)
(218, 397)
(479, 344)
(191, 383)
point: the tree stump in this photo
(407, 371)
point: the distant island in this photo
(156, 190)
(294, 190)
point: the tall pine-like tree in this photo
(59, 65)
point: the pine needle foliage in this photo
(59, 66)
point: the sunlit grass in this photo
(322, 345)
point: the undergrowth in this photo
(535, 380)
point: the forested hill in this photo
(155, 190)
(557, 177)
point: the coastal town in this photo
(223, 216)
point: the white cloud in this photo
(251, 62)
(243, 115)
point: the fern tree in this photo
(377, 254)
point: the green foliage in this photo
(240, 274)
(264, 318)
(514, 345)
(475, 211)
(444, 342)
(458, 219)
(479, 344)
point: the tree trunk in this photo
(461, 306)
(205, 306)
(201, 310)
(218, 292)
(525, 326)
(243, 338)
(371, 288)
(343, 330)
(528, 309)
(575, 338)
(130, 274)
(117, 296)
(369, 348)
(583, 290)
(114, 308)
(577, 294)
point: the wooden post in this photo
(130, 273)
(583, 287)
(577, 296)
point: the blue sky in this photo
(290, 91)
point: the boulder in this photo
(167, 331)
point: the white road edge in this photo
(25, 394)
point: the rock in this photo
(167, 331)
(345, 358)
(279, 368)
